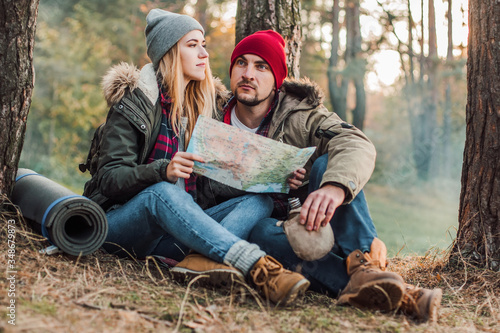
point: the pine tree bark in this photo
(354, 65)
(282, 16)
(17, 37)
(478, 238)
(426, 142)
(337, 84)
(359, 111)
(423, 122)
(446, 141)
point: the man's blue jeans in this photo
(165, 220)
(353, 229)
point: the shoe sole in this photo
(221, 278)
(298, 289)
(383, 295)
(433, 305)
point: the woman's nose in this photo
(203, 53)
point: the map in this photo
(244, 160)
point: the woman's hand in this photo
(181, 166)
(295, 180)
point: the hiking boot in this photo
(421, 304)
(214, 274)
(275, 283)
(369, 286)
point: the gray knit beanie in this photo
(164, 29)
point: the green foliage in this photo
(390, 131)
(77, 41)
(71, 55)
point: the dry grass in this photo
(102, 293)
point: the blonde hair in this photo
(197, 99)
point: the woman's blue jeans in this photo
(164, 220)
(353, 229)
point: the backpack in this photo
(94, 152)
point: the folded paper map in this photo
(244, 160)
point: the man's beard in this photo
(251, 101)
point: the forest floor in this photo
(103, 293)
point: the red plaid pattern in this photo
(167, 144)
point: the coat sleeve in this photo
(351, 155)
(121, 173)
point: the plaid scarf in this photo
(167, 143)
(280, 200)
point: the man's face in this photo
(252, 81)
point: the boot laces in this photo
(365, 263)
(266, 275)
(410, 300)
(415, 294)
(369, 262)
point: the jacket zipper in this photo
(281, 133)
(134, 110)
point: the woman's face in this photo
(194, 57)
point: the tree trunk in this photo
(337, 85)
(201, 14)
(446, 142)
(427, 140)
(424, 122)
(282, 16)
(422, 42)
(410, 45)
(416, 112)
(478, 238)
(413, 100)
(354, 65)
(17, 36)
(359, 111)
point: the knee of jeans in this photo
(262, 202)
(267, 203)
(163, 188)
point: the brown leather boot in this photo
(369, 287)
(275, 283)
(421, 304)
(215, 274)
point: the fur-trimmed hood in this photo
(126, 77)
(304, 89)
(117, 80)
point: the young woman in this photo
(144, 178)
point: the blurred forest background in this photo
(413, 81)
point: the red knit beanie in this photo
(270, 46)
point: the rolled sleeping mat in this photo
(73, 223)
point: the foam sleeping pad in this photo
(73, 223)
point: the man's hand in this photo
(320, 205)
(181, 166)
(295, 180)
